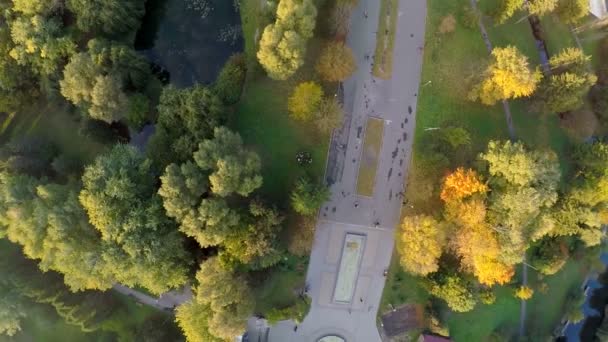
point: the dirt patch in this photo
(404, 319)
(448, 24)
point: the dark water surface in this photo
(191, 39)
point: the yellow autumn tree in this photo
(460, 184)
(508, 76)
(524, 293)
(468, 213)
(479, 249)
(421, 239)
(304, 101)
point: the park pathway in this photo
(505, 103)
(365, 96)
(486, 40)
(167, 301)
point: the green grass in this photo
(481, 322)
(398, 280)
(278, 288)
(262, 118)
(385, 38)
(545, 309)
(449, 61)
(55, 123)
(263, 122)
(370, 153)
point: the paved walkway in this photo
(167, 301)
(394, 101)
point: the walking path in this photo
(486, 40)
(167, 301)
(375, 217)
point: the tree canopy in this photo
(109, 16)
(283, 43)
(508, 76)
(305, 100)
(336, 62)
(420, 244)
(142, 244)
(185, 117)
(567, 86)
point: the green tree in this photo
(307, 197)
(39, 43)
(33, 7)
(329, 115)
(231, 304)
(506, 10)
(567, 86)
(233, 168)
(108, 16)
(143, 246)
(508, 76)
(549, 255)
(193, 318)
(12, 309)
(572, 11)
(455, 292)
(283, 43)
(336, 62)
(49, 223)
(304, 101)
(137, 112)
(185, 117)
(108, 101)
(229, 83)
(524, 188)
(297, 15)
(541, 7)
(254, 244)
(97, 80)
(281, 51)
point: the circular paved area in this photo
(332, 338)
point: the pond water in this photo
(190, 39)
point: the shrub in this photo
(336, 62)
(304, 101)
(137, 113)
(229, 83)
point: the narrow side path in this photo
(166, 302)
(486, 40)
(512, 136)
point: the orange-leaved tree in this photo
(460, 184)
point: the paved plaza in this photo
(373, 217)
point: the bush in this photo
(229, 83)
(137, 113)
(295, 312)
(469, 17)
(336, 62)
(304, 101)
(99, 131)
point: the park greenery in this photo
(219, 199)
(485, 202)
(192, 207)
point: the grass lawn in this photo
(55, 123)
(478, 324)
(396, 281)
(278, 288)
(385, 38)
(262, 118)
(370, 153)
(449, 61)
